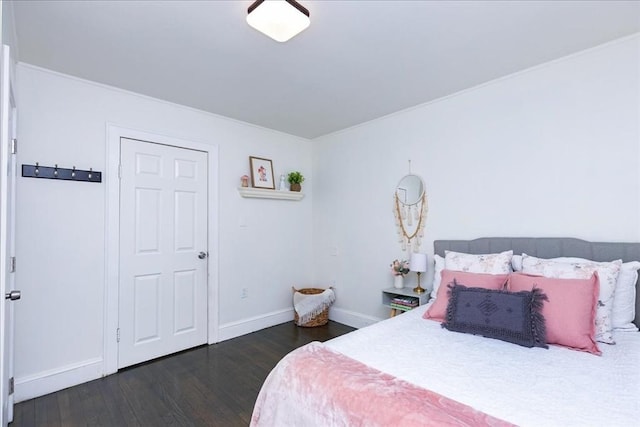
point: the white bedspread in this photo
(528, 387)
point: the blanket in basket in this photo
(309, 306)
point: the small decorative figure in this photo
(244, 180)
(262, 173)
(283, 183)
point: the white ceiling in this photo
(358, 60)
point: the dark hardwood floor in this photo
(214, 385)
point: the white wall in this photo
(551, 151)
(8, 27)
(61, 225)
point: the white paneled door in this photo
(163, 250)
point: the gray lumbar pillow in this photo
(515, 317)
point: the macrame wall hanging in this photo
(410, 211)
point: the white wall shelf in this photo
(261, 193)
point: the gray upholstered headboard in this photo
(548, 247)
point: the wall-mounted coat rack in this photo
(37, 171)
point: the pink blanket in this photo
(316, 386)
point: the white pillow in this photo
(516, 262)
(608, 273)
(624, 299)
(499, 263)
(437, 276)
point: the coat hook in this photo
(61, 173)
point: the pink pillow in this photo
(570, 312)
(438, 309)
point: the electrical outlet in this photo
(245, 293)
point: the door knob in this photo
(13, 295)
(203, 255)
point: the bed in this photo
(408, 370)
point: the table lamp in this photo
(418, 264)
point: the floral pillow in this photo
(624, 298)
(607, 272)
(499, 263)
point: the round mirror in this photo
(410, 190)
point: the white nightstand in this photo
(390, 293)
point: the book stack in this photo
(404, 303)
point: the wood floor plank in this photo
(214, 385)
(116, 402)
(24, 414)
(47, 411)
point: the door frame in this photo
(8, 130)
(112, 234)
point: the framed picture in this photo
(261, 173)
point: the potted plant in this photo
(295, 179)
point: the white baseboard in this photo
(243, 327)
(351, 318)
(246, 326)
(57, 379)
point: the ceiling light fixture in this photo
(278, 19)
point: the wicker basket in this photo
(318, 320)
